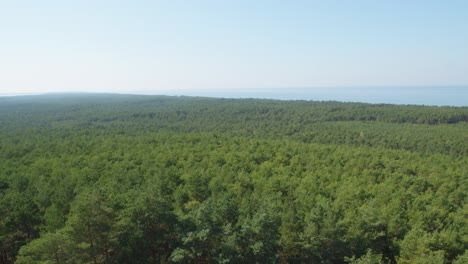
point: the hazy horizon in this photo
(140, 46)
(438, 96)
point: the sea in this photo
(435, 96)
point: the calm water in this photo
(452, 96)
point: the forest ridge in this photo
(103, 178)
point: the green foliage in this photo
(49, 248)
(90, 224)
(153, 179)
(368, 258)
(462, 258)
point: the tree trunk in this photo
(92, 244)
(106, 249)
(4, 256)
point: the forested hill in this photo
(101, 178)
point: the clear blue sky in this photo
(159, 46)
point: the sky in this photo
(225, 45)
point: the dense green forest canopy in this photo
(101, 178)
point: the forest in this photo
(108, 178)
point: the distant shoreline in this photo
(18, 94)
(430, 96)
